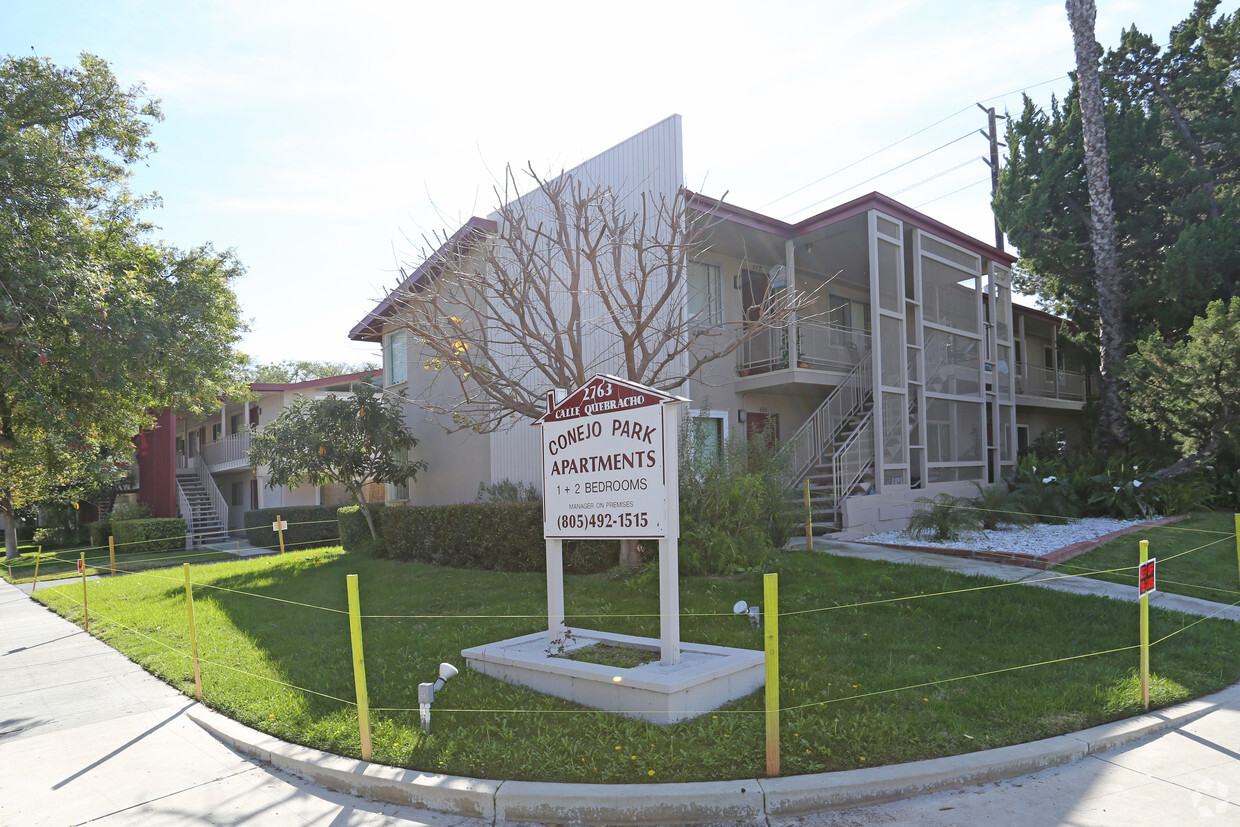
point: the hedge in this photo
(150, 535)
(308, 525)
(498, 536)
(99, 531)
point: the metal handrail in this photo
(824, 425)
(218, 503)
(233, 449)
(860, 443)
(186, 513)
(810, 344)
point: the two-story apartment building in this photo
(199, 467)
(905, 374)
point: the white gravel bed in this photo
(1032, 540)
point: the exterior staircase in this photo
(834, 450)
(203, 523)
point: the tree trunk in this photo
(1112, 418)
(630, 556)
(10, 535)
(359, 497)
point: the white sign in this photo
(609, 463)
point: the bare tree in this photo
(576, 279)
(1112, 418)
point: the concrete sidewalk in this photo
(1026, 576)
(90, 737)
(87, 736)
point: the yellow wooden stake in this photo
(112, 553)
(1145, 634)
(193, 634)
(809, 520)
(1238, 538)
(359, 665)
(770, 586)
(85, 610)
(280, 531)
(38, 552)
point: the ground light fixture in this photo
(426, 693)
(754, 612)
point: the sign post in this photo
(1145, 587)
(610, 471)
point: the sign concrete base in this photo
(706, 678)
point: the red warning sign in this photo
(1145, 578)
(81, 566)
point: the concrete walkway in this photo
(89, 737)
(1027, 576)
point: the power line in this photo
(881, 174)
(893, 145)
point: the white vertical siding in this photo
(651, 163)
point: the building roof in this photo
(327, 381)
(872, 201)
(370, 329)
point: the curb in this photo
(689, 803)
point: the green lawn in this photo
(867, 676)
(59, 563)
(1197, 557)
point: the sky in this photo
(329, 143)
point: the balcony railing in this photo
(807, 345)
(232, 451)
(1046, 383)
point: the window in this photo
(396, 367)
(705, 306)
(236, 490)
(215, 432)
(234, 423)
(707, 434)
(399, 493)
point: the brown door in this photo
(762, 426)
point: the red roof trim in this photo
(370, 329)
(313, 383)
(872, 201)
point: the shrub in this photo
(498, 536)
(99, 532)
(944, 519)
(308, 525)
(995, 504)
(508, 491)
(130, 511)
(150, 535)
(735, 503)
(49, 536)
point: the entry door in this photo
(762, 425)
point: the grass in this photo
(61, 563)
(878, 664)
(1197, 557)
(607, 654)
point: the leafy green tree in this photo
(352, 441)
(1188, 391)
(98, 326)
(1171, 123)
(291, 371)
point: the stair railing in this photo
(218, 503)
(188, 514)
(854, 458)
(808, 446)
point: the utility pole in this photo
(993, 161)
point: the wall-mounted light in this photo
(740, 415)
(426, 693)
